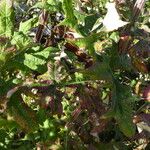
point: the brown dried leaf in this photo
(124, 42)
(146, 93)
(140, 65)
(138, 6)
(3, 40)
(42, 22)
(141, 49)
(81, 55)
(91, 101)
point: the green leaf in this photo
(5, 86)
(27, 25)
(122, 106)
(17, 63)
(48, 124)
(115, 36)
(49, 5)
(34, 58)
(87, 22)
(3, 135)
(6, 18)
(99, 71)
(125, 122)
(70, 19)
(2, 58)
(21, 40)
(88, 42)
(47, 52)
(36, 61)
(33, 62)
(117, 61)
(7, 124)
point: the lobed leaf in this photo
(37, 61)
(122, 107)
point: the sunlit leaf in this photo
(27, 25)
(21, 40)
(36, 61)
(6, 17)
(49, 5)
(70, 19)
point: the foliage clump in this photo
(74, 77)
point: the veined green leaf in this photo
(33, 62)
(47, 52)
(117, 61)
(27, 25)
(3, 135)
(5, 86)
(125, 122)
(21, 40)
(6, 18)
(122, 106)
(36, 61)
(70, 19)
